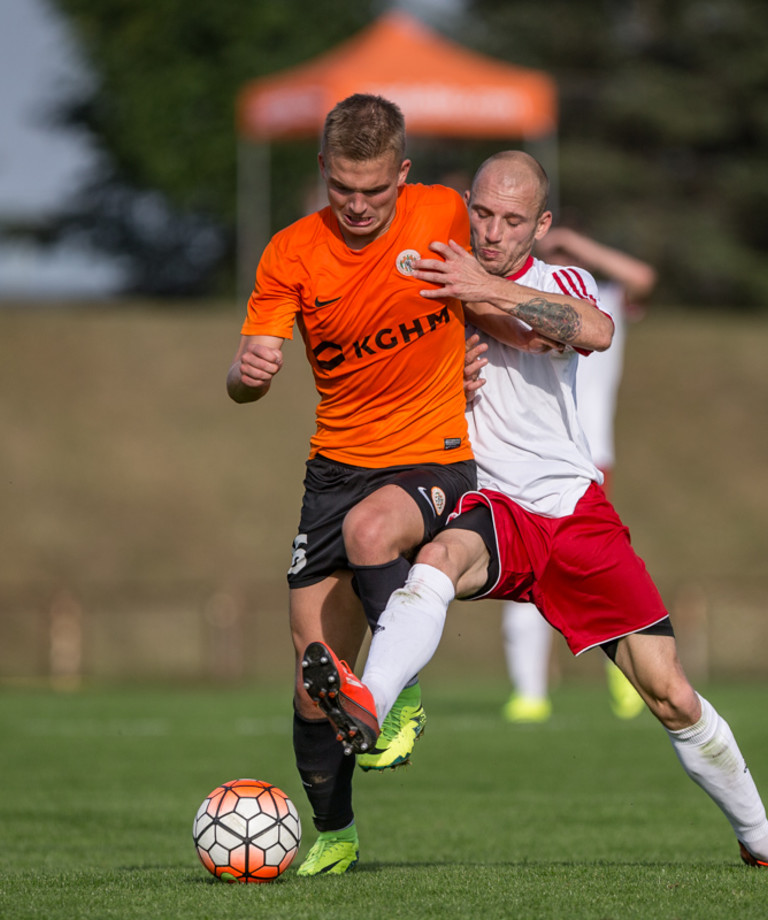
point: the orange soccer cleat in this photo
(346, 701)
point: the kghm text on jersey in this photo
(383, 340)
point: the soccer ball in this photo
(247, 831)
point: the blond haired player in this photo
(390, 455)
(540, 528)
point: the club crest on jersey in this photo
(438, 499)
(405, 260)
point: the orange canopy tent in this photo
(444, 90)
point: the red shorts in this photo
(580, 570)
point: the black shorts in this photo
(331, 489)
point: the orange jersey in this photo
(388, 363)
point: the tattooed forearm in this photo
(555, 320)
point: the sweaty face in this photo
(363, 194)
(505, 220)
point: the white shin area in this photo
(407, 634)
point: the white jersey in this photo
(525, 432)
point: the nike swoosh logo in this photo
(324, 303)
(424, 492)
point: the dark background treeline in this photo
(663, 134)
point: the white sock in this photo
(408, 634)
(527, 641)
(710, 756)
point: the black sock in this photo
(326, 772)
(375, 583)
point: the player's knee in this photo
(435, 554)
(374, 533)
(365, 534)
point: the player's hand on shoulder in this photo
(458, 273)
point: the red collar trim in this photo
(522, 271)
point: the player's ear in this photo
(403, 174)
(543, 224)
(321, 165)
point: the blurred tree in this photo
(160, 107)
(664, 129)
(663, 137)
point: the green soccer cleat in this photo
(525, 710)
(333, 853)
(402, 727)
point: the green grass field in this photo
(584, 818)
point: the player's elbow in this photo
(603, 334)
(604, 343)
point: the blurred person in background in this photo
(624, 284)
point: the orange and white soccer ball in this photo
(247, 830)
